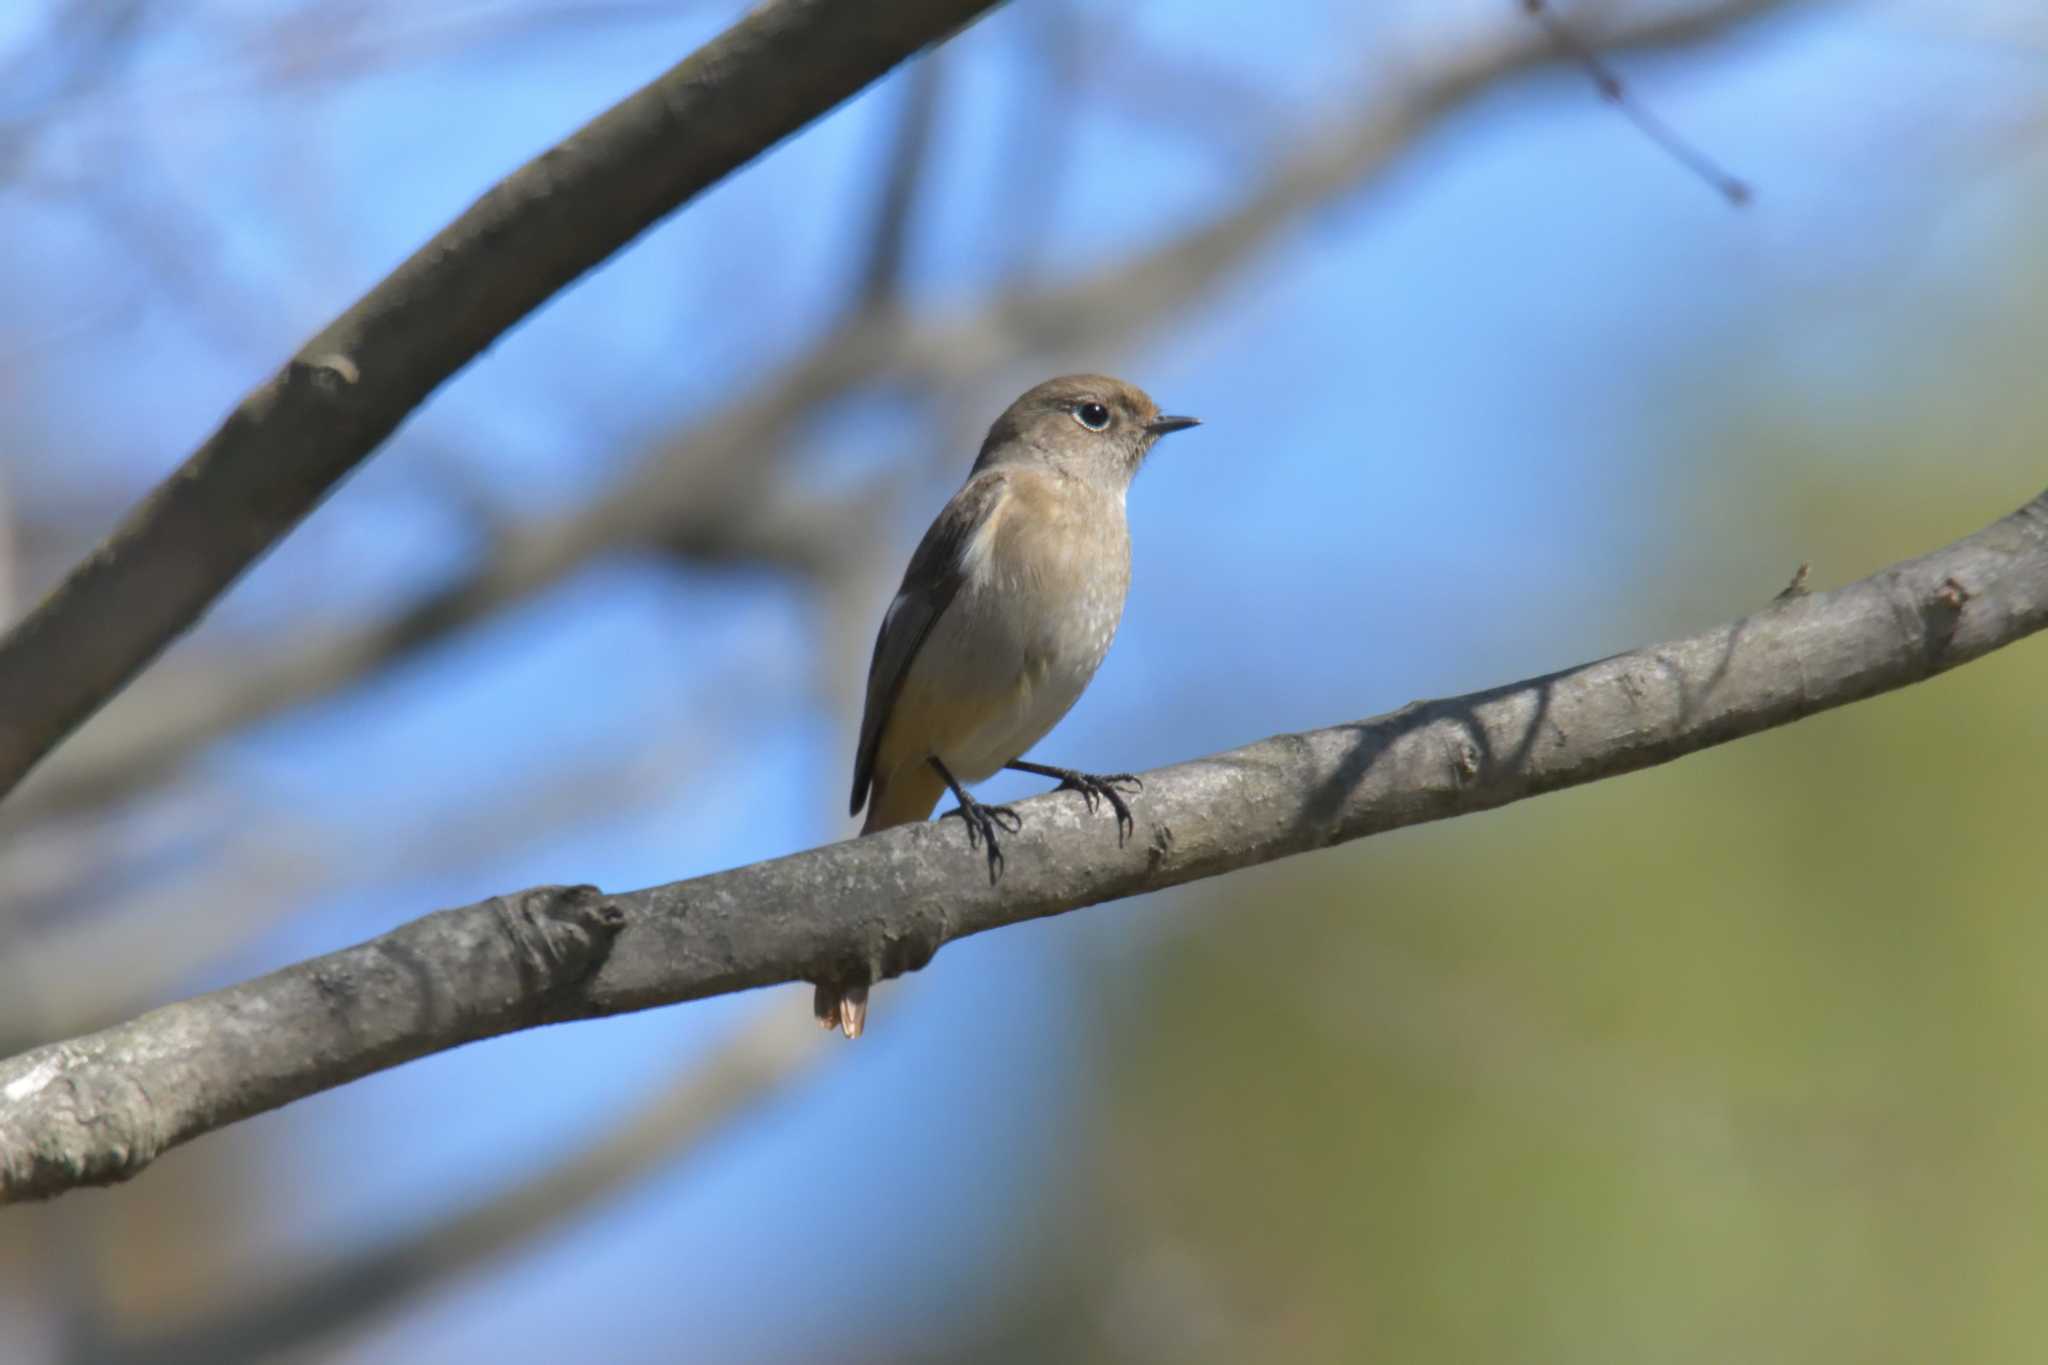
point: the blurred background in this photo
(1735, 1059)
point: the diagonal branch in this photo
(97, 1109)
(707, 493)
(288, 443)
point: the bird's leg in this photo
(1110, 787)
(982, 821)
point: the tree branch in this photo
(294, 438)
(882, 272)
(98, 1109)
(702, 493)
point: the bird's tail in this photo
(903, 798)
(841, 1006)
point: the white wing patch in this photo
(974, 554)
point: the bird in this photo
(1005, 613)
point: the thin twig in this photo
(1736, 191)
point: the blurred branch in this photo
(135, 951)
(332, 404)
(709, 493)
(883, 272)
(715, 517)
(10, 551)
(1219, 106)
(751, 1065)
(323, 42)
(1605, 79)
(1038, 141)
(80, 45)
(98, 1109)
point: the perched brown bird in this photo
(1005, 613)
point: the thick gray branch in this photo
(294, 438)
(98, 1109)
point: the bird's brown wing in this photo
(929, 585)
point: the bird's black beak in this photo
(1166, 426)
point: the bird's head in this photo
(1088, 425)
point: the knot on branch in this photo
(906, 948)
(880, 949)
(559, 934)
(65, 1121)
(331, 374)
(1941, 612)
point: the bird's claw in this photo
(1109, 787)
(982, 823)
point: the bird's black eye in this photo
(1093, 416)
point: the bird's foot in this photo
(1110, 787)
(1095, 789)
(982, 823)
